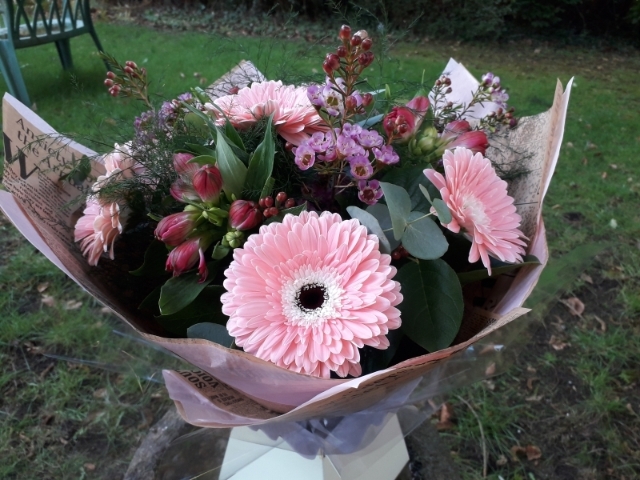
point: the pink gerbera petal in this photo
(480, 206)
(294, 118)
(306, 293)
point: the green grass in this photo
(54, 423)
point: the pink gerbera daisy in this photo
(295, 119)
(306, 293)
(480, 206)
(98, 229)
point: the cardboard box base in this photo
(251, 455)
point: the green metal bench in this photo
(28, 23)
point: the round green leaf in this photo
(423, 238)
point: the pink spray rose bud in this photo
(402, 123)
(208, 183)
(174, 229)
(244, 215)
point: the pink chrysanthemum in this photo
(480, 206)
(295, 119)
(98, 229)
(306, 293)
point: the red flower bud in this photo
(367, 44)
(234, 90)
(367, 98)
(345, 32)
(111, 75)
(404, 122)
(366, 59)
(185, 256)
(174, 229)
(341, 51)
(333, 60)
(108, 82)
(244, 215)
(182, 166)
(290, 203)
(128, 70)
(327, 68)
(350, 102)
(281, 197)
(268, 202)
(207, 181)
(131, 64)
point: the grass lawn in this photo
(572, 393)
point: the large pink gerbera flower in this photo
(295, 119)
(98, 229)
(306, 293)
(480, 206)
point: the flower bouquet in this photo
(313, 250)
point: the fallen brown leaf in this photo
(100, 393)
(558, 344)
(604, 175)
(586, 278)
(530, 369)
(575, 306)
(530, 382)
(603, 325)
(90, 467)
(501, 461)
(490, 370)
(46, 370)
(72, 305)
(42, 287)
(533, 398)
(533, 452)
(48, 300)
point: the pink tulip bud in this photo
(181, 191)
(244, 215)
(476, 141)
(182, 166)
(174, 229)
(185, 256)
(208, 183)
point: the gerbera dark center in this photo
(311, 297)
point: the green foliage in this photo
(261, 164)
(432, 303)
(178, 292)
(212, 332)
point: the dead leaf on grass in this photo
(72, 305)
(42, 287)
(530, 382)
(90, 467)
(603, 325)
(48, 300)
(106, 310)
(46, 370)
(557, 343)
(534, 398)
(447, 416)
(531, 452)
(489, 384)
(490, 370)
(586, 278)
(501, 461)
(604, 175)
(530, 369)
(100, 393)
(575, 306)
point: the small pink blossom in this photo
(361, 168)
(305, 156)
(369, 192)
(307, 293)
(480, 206)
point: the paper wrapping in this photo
(229, 387)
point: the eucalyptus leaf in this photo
(432, 304)
(372, 225)
(178, 292)
(423, 238)
(212, 332)
(481, 274)
(261, 163)
(443, 212)
(155, 258)
(369, 122)
(410, 178)
(399, 203)
(206, 307)
(280, 216)
(381, 212)
(233, 171)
